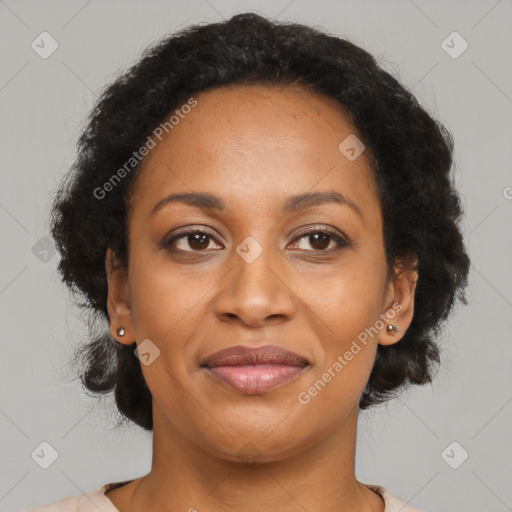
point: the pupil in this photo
(323, 237)
(200, 245)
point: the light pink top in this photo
(97, 501)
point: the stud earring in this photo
(120, 331)
(392, 328)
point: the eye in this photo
(320, 239)
(197, 239)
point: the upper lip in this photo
(266, 354)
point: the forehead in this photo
(261, 143)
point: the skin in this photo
(254, 146)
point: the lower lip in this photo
(252, 379)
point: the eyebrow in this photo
(207, 201)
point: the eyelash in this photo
(342, 243)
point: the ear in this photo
(399, 300)
(118, 300)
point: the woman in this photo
(267, 222)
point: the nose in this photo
(256, 293)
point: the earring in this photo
(120, 331)
(392, 328)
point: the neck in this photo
(320, 477)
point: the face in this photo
(254, 264)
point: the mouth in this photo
(255, 370)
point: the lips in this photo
(255, 370)
(268, 354)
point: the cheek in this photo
(168, 307)
(347, 307)
(153, 312)
(348, 298)
(350, 347)
(161, 296)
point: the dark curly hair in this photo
(410, 154)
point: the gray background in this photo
(43, 105)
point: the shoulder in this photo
(90, 502)
(392, 503)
